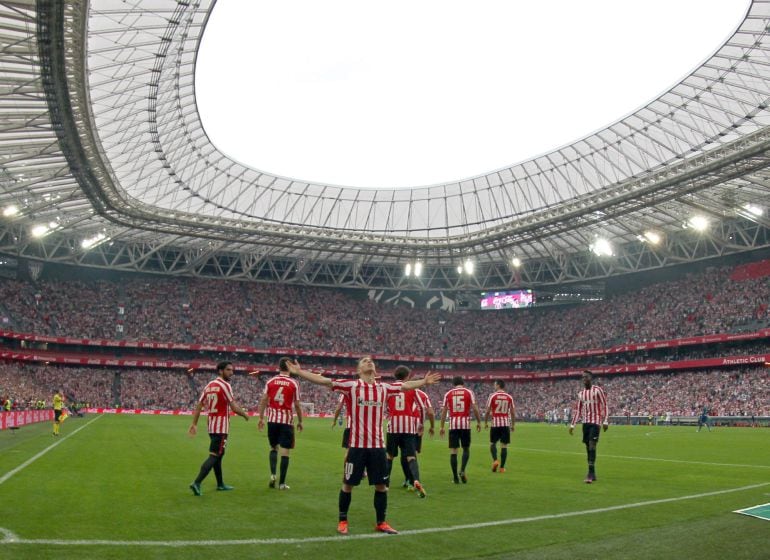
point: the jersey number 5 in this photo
(458, 403)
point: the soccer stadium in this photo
(150, 285)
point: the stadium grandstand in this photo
(135, 255)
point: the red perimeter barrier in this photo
(19, 418)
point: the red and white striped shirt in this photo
(500, 406)
(458, 402)
(591, 407)
(404, 413)
(423, 400)
(282, 392)
(216, 399)
(345, 401)
(367, 409)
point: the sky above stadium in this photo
(411, 93)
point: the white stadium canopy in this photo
(105, 163)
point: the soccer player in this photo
(427, 412)
(458, 404)
(592, 410)
(703, 419)
(280, 398)
(501, 409)
(217, 400)
(405, 412)
(58, 402)
(343, 404)
(368, 398)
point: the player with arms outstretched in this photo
(368, 398)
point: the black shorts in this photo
(218, 444)
(591, 432)
(404, 442)
(346, 438)
(459, 438)
(56, 415)
(373, 461)
(280, 434)
(501, 434)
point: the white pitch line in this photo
(10, 538)
(31, 460)
(606, 456)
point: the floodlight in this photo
(652, 236)
(469, 266)
(408, 269)
(516, 262)
(601, 247)
(39, 230)
(417, 268)
(11, 210)
(699, 223)
(753, 209)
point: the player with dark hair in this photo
(458, 404)
(703, 419)
(592, 410)
(58, 404)
(343, 408)
(405, 412)
(368, 398)
(217, 400)
(281, 399)
(501, 409)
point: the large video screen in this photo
(507, 300)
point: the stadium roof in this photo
(103, 150)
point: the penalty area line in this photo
(34, 458)
(10, 538)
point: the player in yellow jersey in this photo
(58, 402)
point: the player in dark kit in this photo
(368, 399)
(592, 410)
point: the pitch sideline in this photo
(10, 538)
(34, 458)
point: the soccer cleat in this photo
(405, 484)
(342, 527)
(588, 479)
(385, 528)
(593, 477)
(225, 487)
(420, 490)
(502, 469)
(284, 487)
(495, 465)
(196, 488)
(456, 480)
(271, 484)
(463, 478)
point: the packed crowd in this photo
(270, 315)
(730, 392)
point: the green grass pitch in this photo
(117, 487)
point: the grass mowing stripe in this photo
(655, 459)
(31, 460)
(10, 538)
